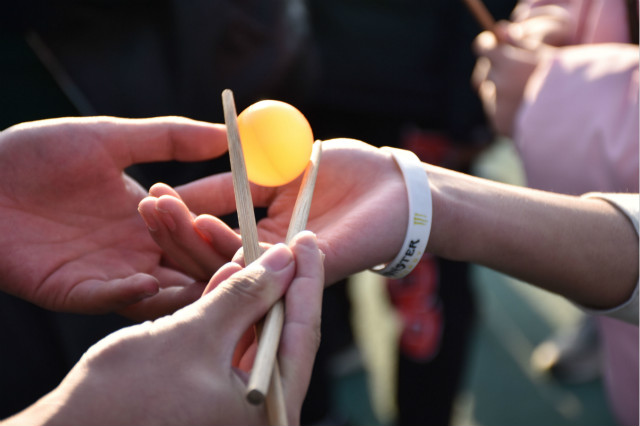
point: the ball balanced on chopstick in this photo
(276, 141)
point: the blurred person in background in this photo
(562, 82)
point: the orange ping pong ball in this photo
(276, 142)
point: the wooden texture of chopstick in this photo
(272, 327)
(276, 410)
(481, 13)
(244, 204)
(303, 202)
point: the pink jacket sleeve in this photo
(587, 21)
(580, 111)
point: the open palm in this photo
(72, 238)
(354, 179)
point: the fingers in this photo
(484, 43)
(218, 234)
(176, 290)
(243, 356)
(99, 297)
(159, 189)
(133, 141)
(480, 72)
(222, 274)
(301, 333)
(240, 301)
(139, 297)
(171, 225)
(220, 199)
(165, 302)
(502, 32)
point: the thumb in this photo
(95, 296)
(246, 296)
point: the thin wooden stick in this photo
(244, 204)
(303, 203)
(481, 13)
(276, 410)
(270, 338)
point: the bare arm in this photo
(584, 249)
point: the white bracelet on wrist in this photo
(420, 215)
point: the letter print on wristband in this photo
(420, 214)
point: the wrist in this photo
(41, 412)
(419, 218)
(454, 235)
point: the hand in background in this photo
(536, 23)
(502, 72)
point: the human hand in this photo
(191, 368)
(535, 23)
(72, 238)
(501, 75)
(359, 195)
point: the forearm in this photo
(585, 250)
(39, 413)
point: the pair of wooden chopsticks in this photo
(264, 382)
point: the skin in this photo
(72, 238)
(510, 53)
(543, 23)
(502, 71)
(334, 219)
(191, 368)
(564, 244)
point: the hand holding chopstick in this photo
(276, 410)
(268, 347)
(481, 13)
(484, 17)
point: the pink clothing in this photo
(621, 368)
(577, 131)
(589, 21)
(577, 128)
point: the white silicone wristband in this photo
(420, 214)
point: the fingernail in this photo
(277, 257)
(238, 257)
(307, 238)
(151, 223)
(204, 232)
(167, 219)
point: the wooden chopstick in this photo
(481, 13)
(272, 327)
(244, 204)
(276, 410)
